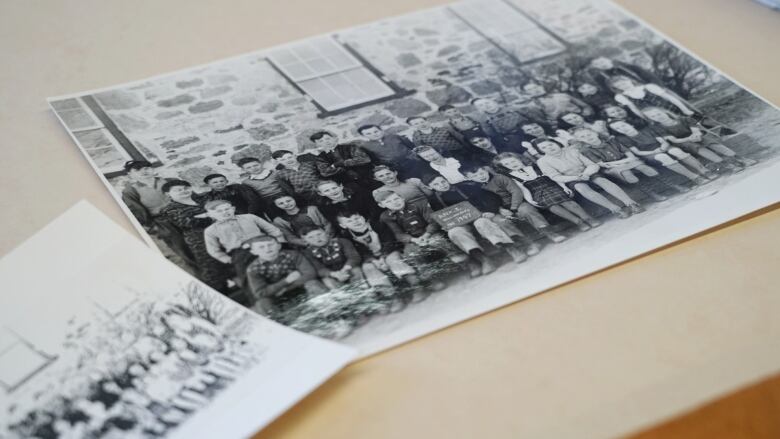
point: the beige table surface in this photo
(612, 353)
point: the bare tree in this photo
(205, 304)
(678, 70)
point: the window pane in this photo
(18, 363)
(75, 115)
(313, 58)
(106, 155)
(508, 28)
(320, 92)
(341, 90)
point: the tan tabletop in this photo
(615, 352)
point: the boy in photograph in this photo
(144, 197)
(337, 197)
(513, 202)
(225, 237)
(449, 167)
(345, 162)
(444, 140)
(504, 125)
(446, 194)
(390, 149)
(241, 197)
(335, 258)
(190, 217)
(277, 275)
(301, 176)
(465, 125)
(420, 235)
(294, 218)
(381, 253)
(553, 105)
(263, 179)
(412, 190)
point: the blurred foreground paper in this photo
(100, 337)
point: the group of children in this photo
(368, 212)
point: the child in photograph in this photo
(492, 226)
(571, 121)
(504, 126)
(535, 130)
(294, 218)
(390, 150)
(482, 150)
(242, 197)
(336, 197)
(648, 143)
(541, 191)
(345, 162)
(618, 161)
(569, 166)
(637, 97)
(449, 167)
(465, 125)
(593, 95)
(513, 202)
(144, 197)
(335, 258)
(412, 190)
(692, 138)
(278, 276)
(602, 69)
(555, 104)
(263, 179)
(613, 112)
(300, 176)
(225, 237)
(192, 219)
(445, 140)
(381, 254)
(412, 226)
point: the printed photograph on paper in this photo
(119, 351)
(382, 181)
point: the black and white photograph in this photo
(142, 351)
(378, 183)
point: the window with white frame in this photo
(96, 140)
(330, 74)
(19, 360)
(508, 28)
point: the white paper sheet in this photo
(99, 335)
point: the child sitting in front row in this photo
(569, 166)
(648, 143)
(277, 275)
(336, 259)
(542, 192)
(617, 161)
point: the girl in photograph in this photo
(693, 138)
(614, 112)
(569, 166)
(636, 97)
(648, 144)
(535, 130)
(541, 191)
(568, 122)
(619, 162)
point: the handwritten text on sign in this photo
(456, 215)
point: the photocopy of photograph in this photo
(102, 337)
(380, 182)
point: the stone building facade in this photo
(203, 120)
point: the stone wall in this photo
(203, 120)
